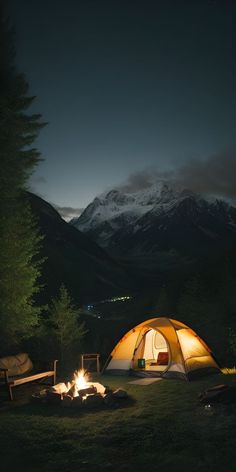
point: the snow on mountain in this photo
(155, 219)
(111, 205)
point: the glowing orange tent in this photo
(161, 347)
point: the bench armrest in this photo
(53, 364)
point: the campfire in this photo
(79, 386)
(79, 392)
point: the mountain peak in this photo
(120, 201)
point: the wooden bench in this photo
(11, 381)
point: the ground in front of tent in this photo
(164, 428)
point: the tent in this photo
(161, 347)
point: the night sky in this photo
(129, 88)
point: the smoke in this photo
(67, 213)
(214, 176)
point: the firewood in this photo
(87, 391)
(59, 388)
(73, 390)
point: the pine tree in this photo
(19, 236)
(65, 322)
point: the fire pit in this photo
(79, 393)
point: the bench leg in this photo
(55, 372)
(10, 392)
(8, 386)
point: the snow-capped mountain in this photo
(156, 219)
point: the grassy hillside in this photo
(163, 427)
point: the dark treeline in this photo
(22, 321)
(19, 236)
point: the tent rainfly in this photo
(161, 347)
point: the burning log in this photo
(59, 388)
(72, 391)
(100, 388)
(87, 391)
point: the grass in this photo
(163, 428)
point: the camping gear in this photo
(141, 363)
(218, 394)
(169, 349)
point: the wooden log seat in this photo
(19, 369)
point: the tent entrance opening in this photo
(152, 352)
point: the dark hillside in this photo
(73, 259)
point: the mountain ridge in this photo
(156, 219)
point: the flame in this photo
(80, 379)
(79, 382)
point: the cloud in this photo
(214, 176)
(67, 213)
(141, 180)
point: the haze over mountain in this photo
(158, 219)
